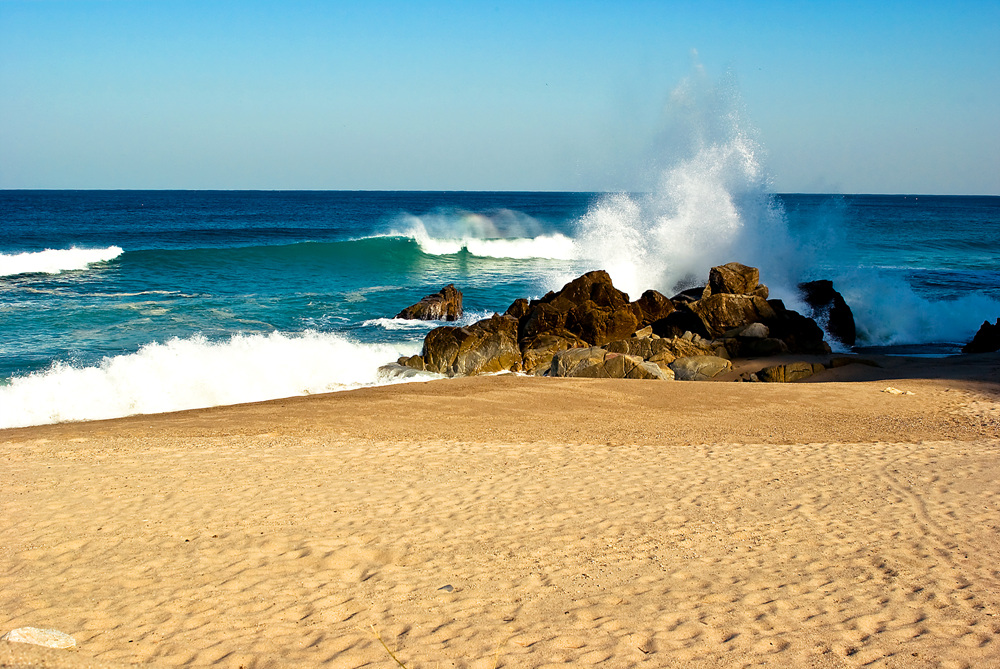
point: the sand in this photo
(521, 522)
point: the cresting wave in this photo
(506, 234)
(194, 373)
(54, 261)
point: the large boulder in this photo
(800, 333)
(699, 368)
(789, 373)
(537, 351)
(485, 347)
(725, 311)
(679, 321)
(444, 305)
(828, 306)
(653, 306)
(600, 325)
(986, 340)
(735, 279)
(598, 363)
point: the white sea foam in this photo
(413, 324)
(193, 373)
(54, 261)
(505, 234)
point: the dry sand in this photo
(522, 522)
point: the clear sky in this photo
(853, 97)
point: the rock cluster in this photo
(444, 305)
(589, 328)
(986, 340)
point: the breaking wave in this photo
(54, 261)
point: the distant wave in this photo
(54, 261)
(193, 373)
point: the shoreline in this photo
(536, 520)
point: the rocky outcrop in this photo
(485, 347)
(986, 340)
(828, 306)
(590, 328)
(444, 305)
(599, 363)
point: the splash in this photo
(709, 206)
(54, 261)
(193, 373)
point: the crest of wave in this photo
(710, 204)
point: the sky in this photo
(842, 97)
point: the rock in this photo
(596, 362)
(537, 351)
(986, 340)
(725, 311)
(653, 306)
(599, 325)
(444, 305)
(690, 295)
(761, 348)
(40, 637)
(699, 368)
(755, 331)
(800, 333)
(519, 309)
(678, 322)
(828, 306)
(412, 362)
(485, 347)
(793, 371)
(733, 278)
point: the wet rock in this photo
(986, 340)
(828, 306)
(444, 305)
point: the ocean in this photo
(115, 303)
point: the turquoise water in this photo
(159, 300)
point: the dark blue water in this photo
(218, 297)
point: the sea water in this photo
(121, 302)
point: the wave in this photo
(194, 373)
(504, 234)
(54, 261)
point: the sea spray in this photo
(709, 205)
(194, 372)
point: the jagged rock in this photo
(653, 306)
(800, 333)
(733, 278)
(519, 309)
(444, 305)
(40, 637)
(487, 346)
(986, 340)
(600, 325)
(793, 371)
(726, 311)
(598, 363)
(829, 306)
(537, 351)
(678, 322)
(699, 368)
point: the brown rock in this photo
(788, 373)
(653, 306)
(596, 362)
(725, 311)
(444, 305)
(537, 351)
(733, 278)
(487, 346)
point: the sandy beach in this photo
(522, 522)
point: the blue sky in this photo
(846, 97)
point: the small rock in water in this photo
(40, 637)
